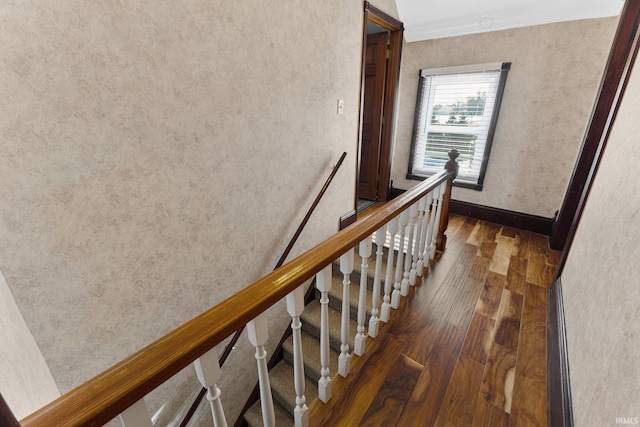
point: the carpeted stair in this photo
(281, 376)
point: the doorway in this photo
(381, 52)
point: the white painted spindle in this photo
(436, 225)
(395, 297)
(423, 237)
(323, 284)
(364, 251)
(346, 268)
(208, 373)
(418, 242)
(295, 307)
(413, 213)
(136, 415)
(374, 320)
(388, 278)
(258, 332)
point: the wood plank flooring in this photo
(467, 347)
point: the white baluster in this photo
(136, 415)
(432, 220)
(423, 237)
(323, 284)
(436, 225)
(418, 242)
(208, 372)
(346, 267)
(361, 338)
(395, 297)
(258, 332)
(374, 320)
(413, 213)
(295, 307)
(388, 278)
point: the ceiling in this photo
(428, 19)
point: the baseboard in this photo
(348, 218)
(395, 192)
(558, 384)
(522, 221)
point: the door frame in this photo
(396, 29)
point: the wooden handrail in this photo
(285, 254)
(108, 394)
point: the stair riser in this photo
(311, 372)
(334, 341)
(354, 277)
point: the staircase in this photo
(120, 390)
(281, 375)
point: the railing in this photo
(120, 390)
(283, 257)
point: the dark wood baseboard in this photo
(522, 221)
(395, 192)
(348, 218)
(558, 385)
(6, 416)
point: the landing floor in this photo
(467, 347)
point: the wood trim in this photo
(381, 18)
(502, 82)
(558, 381)
(108, 394)
(460, 184)
(396, 29)
(612, 86)
(348, 218)
(6, 416)
(504, 71)
(522, 221)
(395, 192)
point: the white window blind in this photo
(456, 107)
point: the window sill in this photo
(469, 185)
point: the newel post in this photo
(451, 166)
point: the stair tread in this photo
(357, 268)
(283, 388)
(253, 416)
(335, 296)
(311, 349)
(311, 324)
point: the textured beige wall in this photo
(555, 72)
(156, 157)
(26, 382)
(600, 281)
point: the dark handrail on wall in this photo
(285, 254)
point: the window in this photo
(457, 107)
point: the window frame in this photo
(503, 68)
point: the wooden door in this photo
(374, 81)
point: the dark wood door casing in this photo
(396, 29)
(614, 81)
(374, 83)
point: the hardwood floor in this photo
(467, 346)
